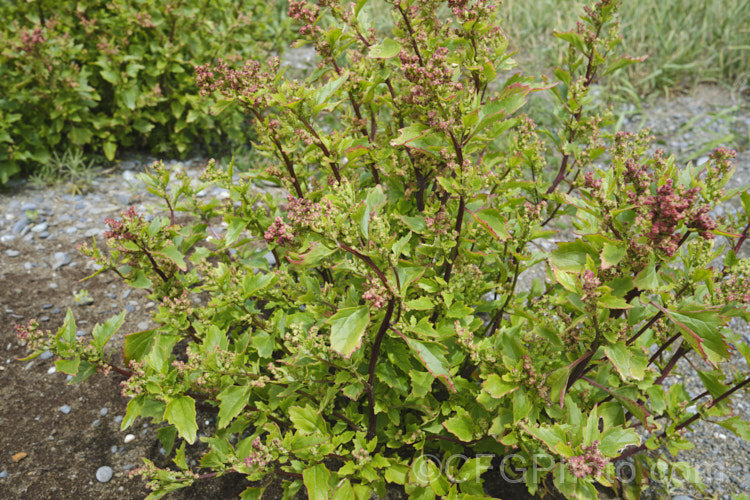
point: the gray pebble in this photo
(65, 409)
(30, 207)
(4, 474)
(682, 497)
(720, 477)
(20, 225)
(60, 259)
(44, 235)
(103, 474)
(96, 423)
(12, 253)
(128, 467)
(28, 266)
(47, 306)
(111, 295)
(56, 310)
(39, 227)
(123, 198)
(118, 419)
(44, 319)
(80, 333)
(46, 355)
(6, 238)
(103, 412)
(113, 449)
(126, 293)
(129, 308)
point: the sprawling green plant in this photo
(379, 322)
(119, 74)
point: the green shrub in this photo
(392, 331)
(119, 74)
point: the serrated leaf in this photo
(316, 482)
(232, 401)
(461, 426)
(648, 278)
(615, 439)
(611, 255)
(69, 366)
(102, 333)
(137, 345)
(497, 387)
(491, 220)
(307, 421)
(174, 254)
(347, 327)
(433, 359)
(180, 412)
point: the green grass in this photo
(688, 41)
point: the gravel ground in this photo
(39, 273)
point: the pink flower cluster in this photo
(305, 213)
(375, 293)
(434, 73)
(591, 183)
(279, 232)
(479, 8)
(304, 14)
(260, 457)
(31, 39)
(667, 209)
(244, 82)
(590, 463)
(119, 229)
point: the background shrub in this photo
(119, 74)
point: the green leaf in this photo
(386, 50)
(253, 283)
(347, 327)
(615, 439)
(141, 280)
(80, 136)
(109, 150)
(307, 421)
(137, 345)
(571, 256)
(102, 333)
(174, 254)
(134, 408)
(497, 387)
(420, 304)
(180, 412)
(432, 357)
(611, 255)
(232, 401)
(461, 426)
(235, 227)
(573, 38)
(409, 134)
(622, 62)
(326, 91)
(648, 278)
(143, 126)
(316, 482)
(69, 366)
(68, 331)
(129, 97)
(491, 220)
